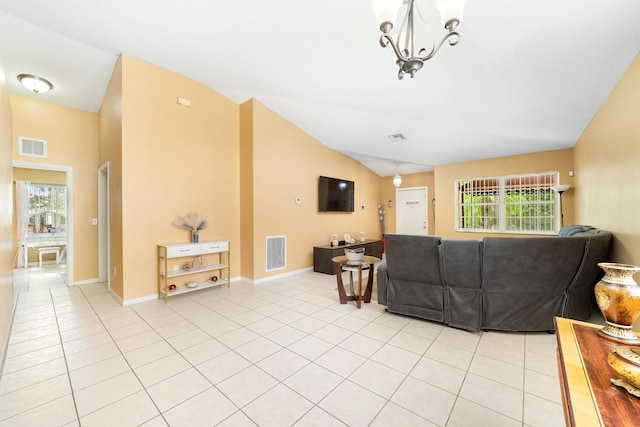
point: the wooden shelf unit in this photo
(180, 254)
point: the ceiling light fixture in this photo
(34, 83)
(410, 58)
(397, 179)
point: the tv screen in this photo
(335, 195)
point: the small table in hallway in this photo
(341, 265)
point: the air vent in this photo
(32, 147)
(276, 252)
(396, 137)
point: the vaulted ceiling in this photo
(526, 76)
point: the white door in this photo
(412, 211)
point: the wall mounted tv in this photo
(335, 195)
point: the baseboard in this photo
(279, 276)
(86, 282)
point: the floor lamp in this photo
(561, 189)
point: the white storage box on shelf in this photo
(188, 260)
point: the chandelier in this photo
(411, 57)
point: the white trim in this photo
(279, 276)
(69, 174)
(88, 282)
(104, 242)
(21, 151)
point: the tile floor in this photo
(280, 353)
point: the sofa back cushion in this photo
(413, 258)
(461, 269)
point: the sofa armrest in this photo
(383, 280)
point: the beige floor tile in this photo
(327, 315)
(350, 323)
(458, 338)
(178, 388)
(223, 366)
(47, 354)
(282, 364)
(378, 332)
(439, 374)
(148, 354)
(503, 352)
(341, 404)
(277, 407)
(102, 394)
(333, 334)
(540, 412)
(310, 347)
(188, 339)
(422, 328)
(340, 361)
(377, 378)
(135, 342)
(174, 329)
(541, 343)
(286, 335)
(544, 386)
(313, 382)
(453, 356)
(131, 411)
(32, 375)
(32, 345)
(76, 346)
(410, 342)
(540, 363)
(469, 414)
(204, 351)
(394, 415)
(97, 372)
(25, 399)
(246, 385)
(513, 339)
(81, 332)
(130, 330)
(265, 326)
(318, 418)
(413, 394)
(362, 345)
(57, 412)
(161, 369)
(205, 409)
(493, 395)
(258, 349)
(30, 334)
(396, 358)
(237, 337)
(497, 370)
(309, 324)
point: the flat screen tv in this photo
(335, 195)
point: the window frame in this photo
(496, 211)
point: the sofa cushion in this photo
(461, 269)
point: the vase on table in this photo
(194, 236)
(618, 298)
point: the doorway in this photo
(68, 170)
(412, 211)
(103, 225)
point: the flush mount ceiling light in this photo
(396, 137)
(411, 57)
(34, 83)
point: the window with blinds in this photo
(508, 204)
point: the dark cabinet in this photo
(322, 255)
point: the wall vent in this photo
(276, 252)
(32, 147)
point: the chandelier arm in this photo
(386, 40)
(436, 47)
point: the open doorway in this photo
(103, 225)
(52, 232)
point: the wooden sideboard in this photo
(323, 254)
(588, 396)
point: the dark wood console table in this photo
(588, 396)
(322, 255)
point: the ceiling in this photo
(526, 76)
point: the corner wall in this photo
(607, 162)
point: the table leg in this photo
(359, 297)
(341, 293)
(369, 288)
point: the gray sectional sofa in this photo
(507, 284)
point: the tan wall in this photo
(607, 162)
(445, 176)
(175, 160)
(110, 150)
(388, 193)
(6, 194)
(72, 138)
(286, 165)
